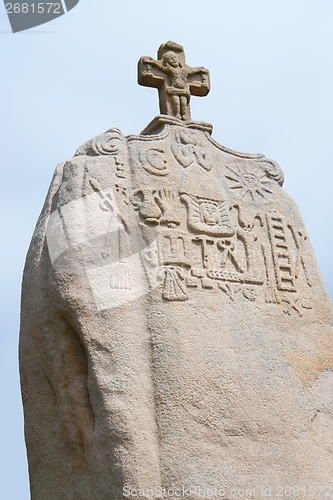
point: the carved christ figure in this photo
(175, 80)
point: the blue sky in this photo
(271, 65)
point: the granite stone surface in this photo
(175, 330)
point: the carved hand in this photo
(147, 59)
(166, 202)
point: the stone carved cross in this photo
(174, 79)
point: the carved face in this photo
(172, 59)
(209, 213)
(156, 159)
(250, 180)
(253, 182)
(249, 292)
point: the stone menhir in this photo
(176, 330)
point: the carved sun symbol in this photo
(253, 181)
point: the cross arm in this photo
(150, 72)
(199, 81)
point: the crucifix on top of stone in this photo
(174, 79)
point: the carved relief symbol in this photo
(257, 251)
(187, 150)
(249, 292)
(252, 181)
(296, 304)
(229, 289)
(174, 288)
(175, 80)
(111, 143)
(150, 257)
(107, 203)
(123, 191)
(121, 274)
(214, 263)
(277, 231)
(156, 206)
(144, 201)
(300, 239)
(174, 246)
(207, 216)
(154, 161)
(271, 296)
(121, 277)
(227, 248)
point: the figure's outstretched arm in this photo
(150, 60)
(200, 69)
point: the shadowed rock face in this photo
(175, 327)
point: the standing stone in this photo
(176, 330)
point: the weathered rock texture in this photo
(176, 330)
